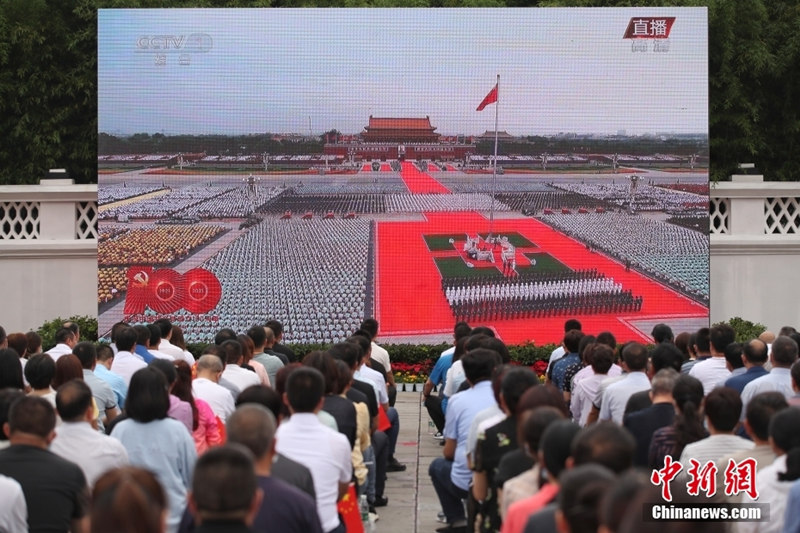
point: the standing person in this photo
(253, 427)
(277, 329)
(55, 489)
(322, 450)
(128, 499)
(714, 370)
(206, 386)
(225, 495)
(165, 346)
(104, 397)
(380, 355)
(105, 358)
(77, 440)
(65, 342)
(125, 361)
(205, 429)
(272, 363)
(155, 441)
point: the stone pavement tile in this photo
(412, 501)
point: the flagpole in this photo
(494, 167)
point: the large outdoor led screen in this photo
(320, 166)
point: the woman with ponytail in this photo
(687, 427)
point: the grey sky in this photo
(561, 70)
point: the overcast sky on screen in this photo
(561, 70)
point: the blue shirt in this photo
(142, 352)
(739, 382)
(560, 369)
(439, 373)
(116, 382)
(165, 448)
(463, 408)
(791, 520)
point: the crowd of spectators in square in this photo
(125, 448)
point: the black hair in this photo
(147, 398)
(305, 387)
(258, 335)
(662, 333)
(275, 326)
(605, 443)
(581, 491)
(760, 410)
(720, 336)
(370, 325)
(733, 355)
(11, 369)
(231, 351)
(155, 335)
(126, 339)
(723, 408)
(32, 414)
(225, 334)
(635, 356)
(666, 355)
(73, 399)
(86, 352)
(167, 368)
(262, 395)
(555, 445)
(784, 351)
(164, 327)
(224, 483)
(40, 371)
(348, 352)
(703, 340)
(479, 364)
(515, 382)
(688, 395)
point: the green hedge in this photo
(524, 354)
(47, 331)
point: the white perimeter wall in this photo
(48, 252)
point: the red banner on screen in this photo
(166, 291)
(649, 28)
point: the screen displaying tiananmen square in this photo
(322, 166)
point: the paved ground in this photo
(412, 502)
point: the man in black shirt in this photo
(55, 489)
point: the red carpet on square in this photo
(410, 300)
(419, 182)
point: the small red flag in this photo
(351, 514)
(490, 99)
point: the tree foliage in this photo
(48, 80)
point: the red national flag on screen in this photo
(490, 99)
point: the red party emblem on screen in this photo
(166, 291)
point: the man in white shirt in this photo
(126, 362)
(65, 342)
(206, 386)
(166, 347)
(721, 408)
(380, 355)
(13, 508)
(585, 391)
(154, 344)
(238, 377)
(325, 452)
(616, 396)
(782, 356)
(714, 370)
(77, 441)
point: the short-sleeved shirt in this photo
(13, 509)
(559, 369)
(116, 383)
(325, 452)
(616, 396)
(463, 408)
(55, 489)
(103, 395)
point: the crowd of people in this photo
(646, 196)
(140, 436)
(267, 270)
(155, 245)
(108, 438)
(673, 254)
(109, 194)
(696, 420)
(548, 294)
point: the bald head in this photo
(209, 366)
(767, 337)
(253, 426)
